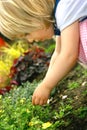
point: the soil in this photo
(72, 90)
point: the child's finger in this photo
(41, 102)
(36, 101)
(45, 101)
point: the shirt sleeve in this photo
(68, 11)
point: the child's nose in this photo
(29, 38)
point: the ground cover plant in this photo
(67, 109)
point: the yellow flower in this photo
(46, 125)
(27, 110)
(22, 100)
(1, 111)
(31, 123)
(0, 96)
(11, 52)
(3, 66)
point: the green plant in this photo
(17, 111)
(84, 93)
(81, 112)
(73, 85)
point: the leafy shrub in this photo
(27, 66)
(30, 66)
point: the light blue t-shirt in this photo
(68, 11)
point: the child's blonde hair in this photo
(24, 16)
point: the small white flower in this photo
(64, 97)
(84, 83)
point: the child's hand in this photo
(40, 95)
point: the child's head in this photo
(24, 16)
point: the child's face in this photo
(41, 34)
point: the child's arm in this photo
(65, 60)
(56, 52)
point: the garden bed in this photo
(67, 109)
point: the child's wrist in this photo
(47, 85)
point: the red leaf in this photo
(2, 42)
(14, 82)
(8, 88)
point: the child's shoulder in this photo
(68, 11)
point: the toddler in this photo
(38, 20)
